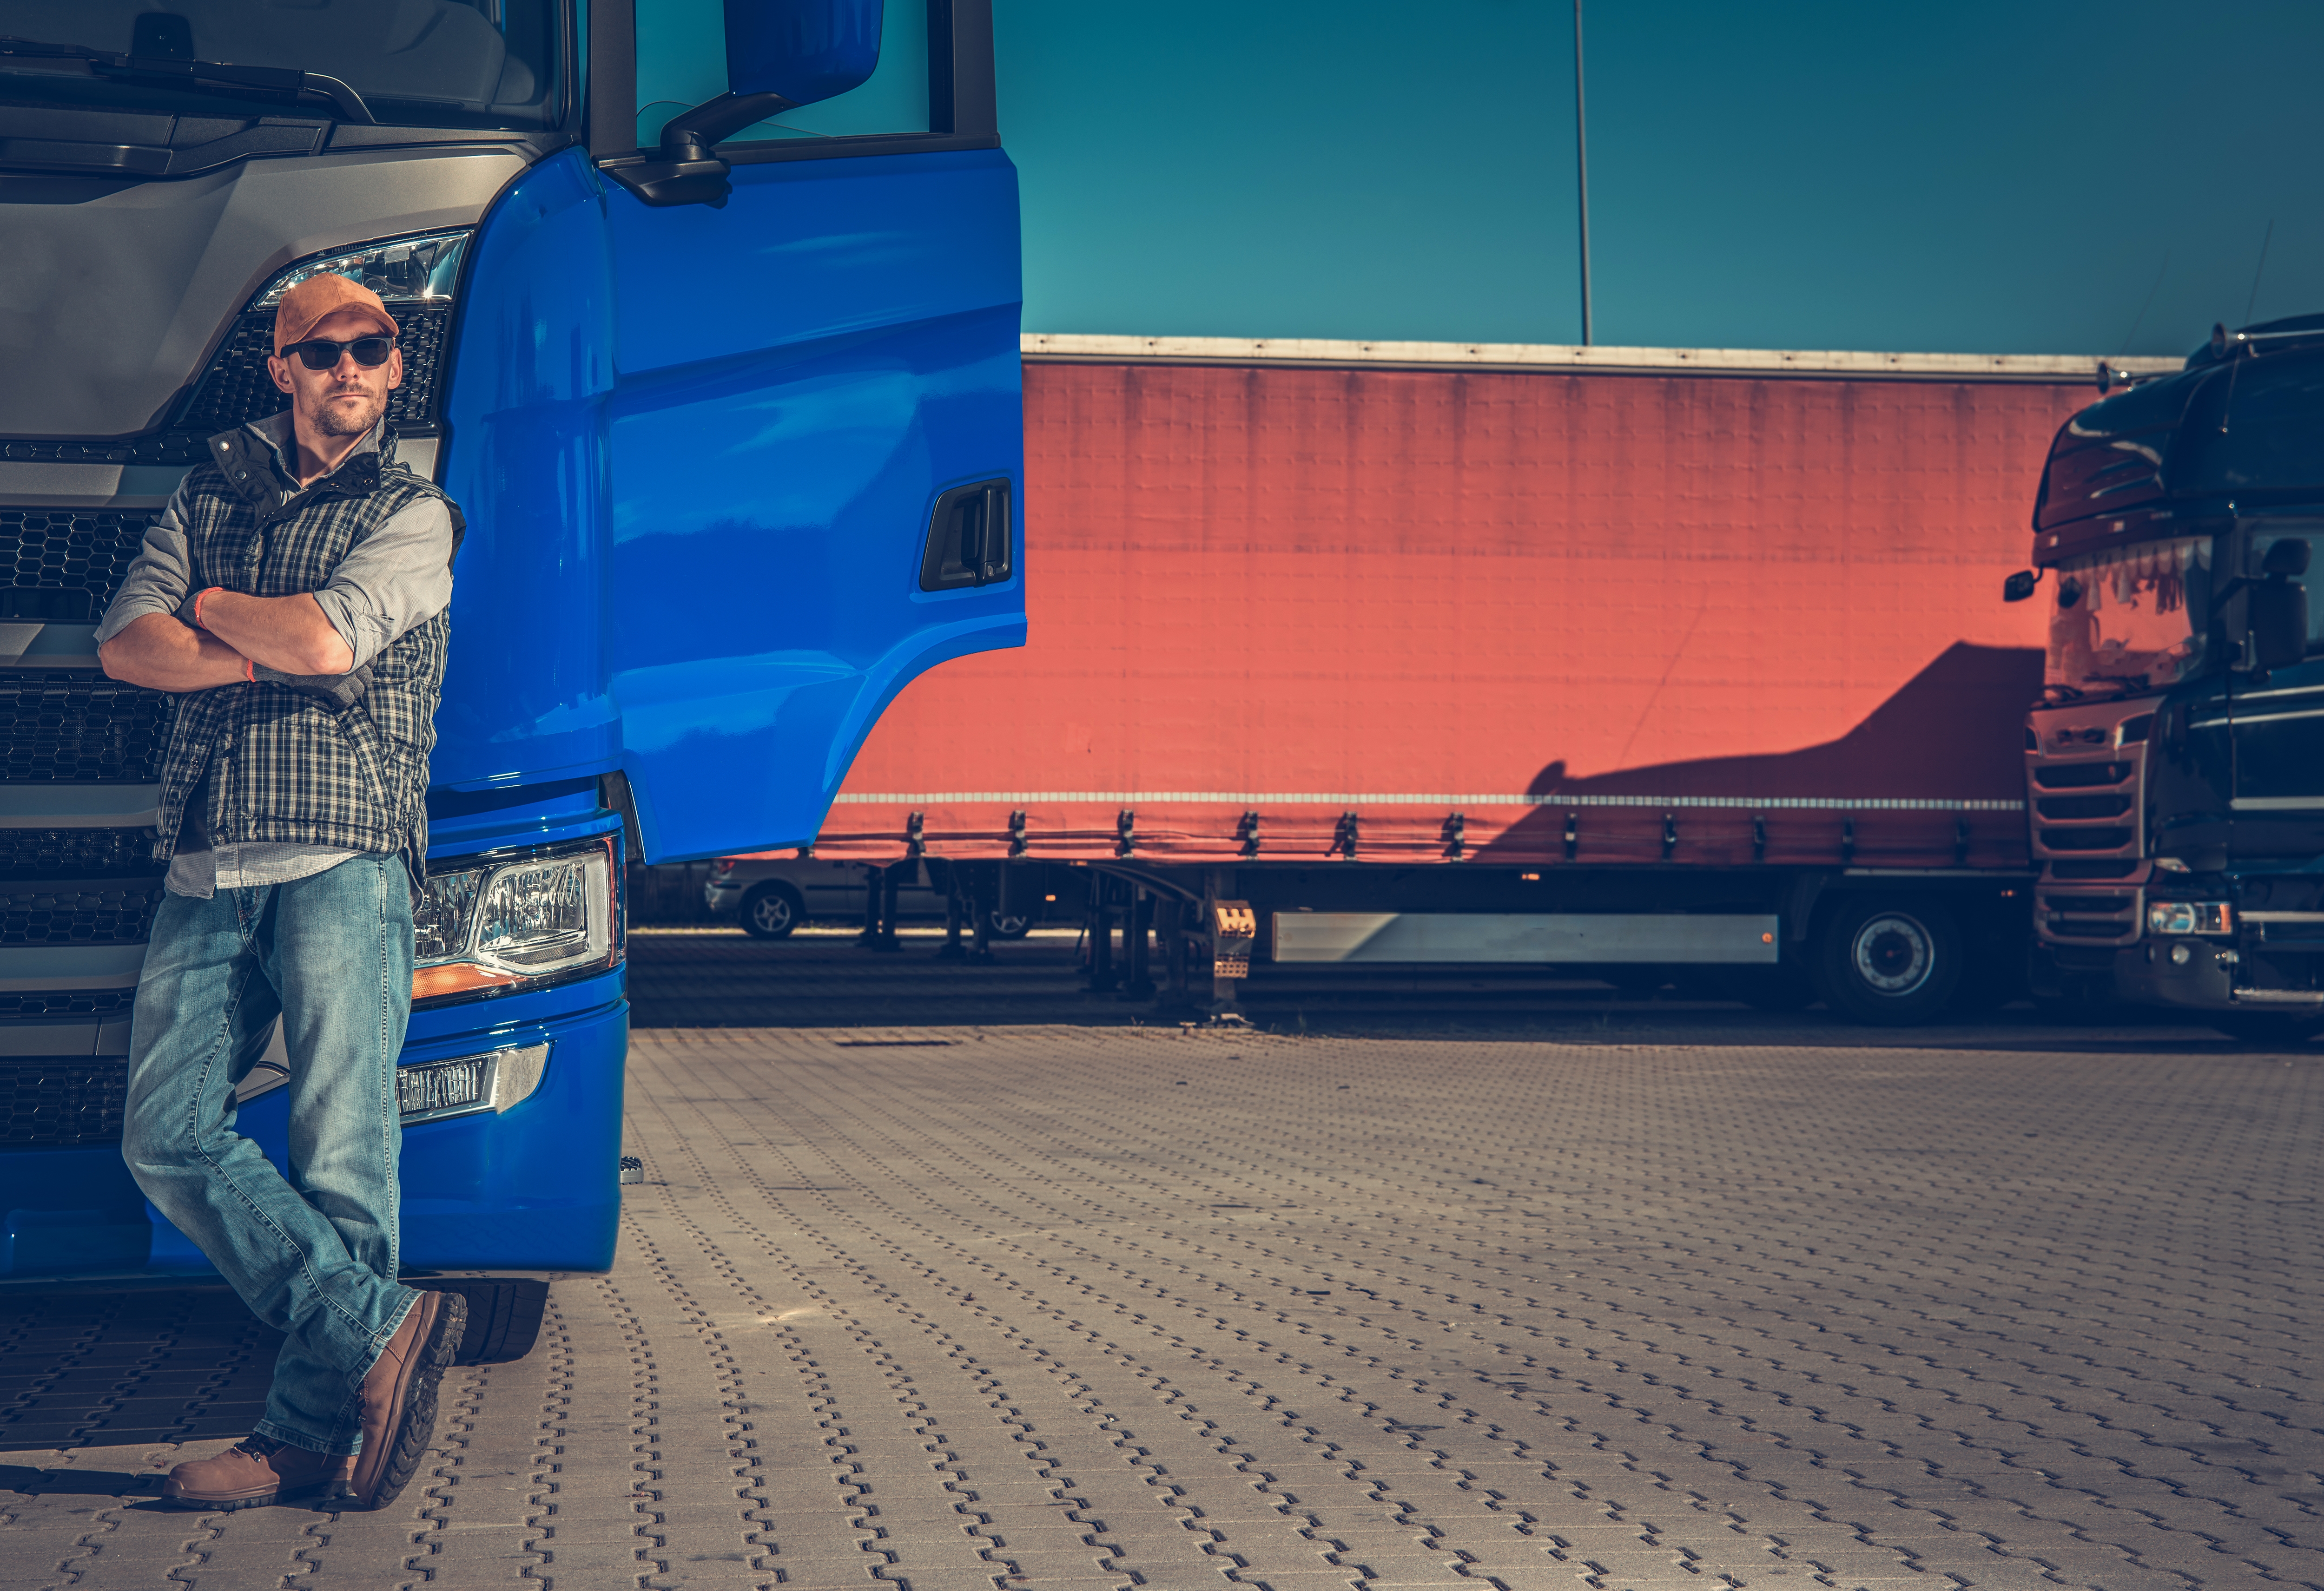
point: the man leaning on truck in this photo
(292, 598)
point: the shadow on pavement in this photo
(127, 1367)
(722, 978)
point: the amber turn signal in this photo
(456, 977)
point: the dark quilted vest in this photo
(286, 766)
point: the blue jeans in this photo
(314, 1256)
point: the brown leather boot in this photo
(398, 1399)
(256, 1471)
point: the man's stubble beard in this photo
(331, 419)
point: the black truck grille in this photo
(64, 565)
(76, 853)
(71, 725)
(62, 1103)
(2082, 806)
(2088, 915)
(2070, 776)
(2086, 838)
(69, 1002)
(77, 912)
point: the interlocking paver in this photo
(1617, 1311)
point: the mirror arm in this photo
(714, 121)
(685, 169)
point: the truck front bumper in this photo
(530, 1189)
(2145, 974)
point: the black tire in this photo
(503, 1315)
(1893, 962)
(1007, 925)
(2265, 1029)
(772, 910)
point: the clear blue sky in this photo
(1977, 177)
(1973, 176)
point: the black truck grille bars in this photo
(70, 912)
(64, 565)
(62, 1103)
(2085, 840)
(76, 853)
(80, 726)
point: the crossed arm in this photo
(289, 633)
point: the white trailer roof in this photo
(1092, 348)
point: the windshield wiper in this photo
(288, 80)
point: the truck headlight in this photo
(517, 920)
(423, 269)
(2191, 916)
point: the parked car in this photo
(773, 895)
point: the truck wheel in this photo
(772, 910)
(1009, 926)
(503, 1315)
(1892, 963)
(2268, 1029)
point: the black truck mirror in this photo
(2020, 586)
(2278, 614)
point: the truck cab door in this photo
(813, 444)
(2279, 724)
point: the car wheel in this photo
(772, 910)
(1892, 963)
(1007, 925)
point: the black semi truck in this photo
(2175, 764)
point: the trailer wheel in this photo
(1893, 962)
(772, 910)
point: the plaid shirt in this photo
(287, 768)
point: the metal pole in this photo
(1582, 170)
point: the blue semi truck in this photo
(729, 397)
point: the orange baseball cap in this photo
(317, 299)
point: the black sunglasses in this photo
(322, 353)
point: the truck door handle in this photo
(971, 538)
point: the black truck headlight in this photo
(517, 920)
(2191, 916)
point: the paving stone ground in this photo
(1694, 1300)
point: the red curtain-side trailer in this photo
(1696, 635)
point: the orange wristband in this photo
(249, 671)
(197, 605)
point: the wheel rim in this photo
(1009, 924)
(771, 914)
(1893, 954)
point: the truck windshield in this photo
(417, 63)
(2128, 618)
